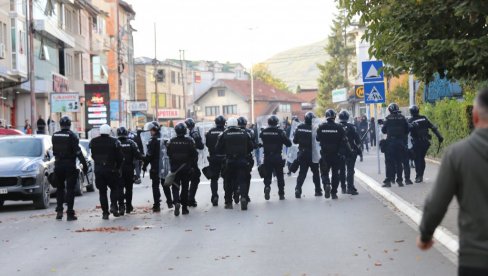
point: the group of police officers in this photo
(230, 145)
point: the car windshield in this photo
(20, 147)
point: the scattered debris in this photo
(103, 229)
(399, 241)
(377, 263)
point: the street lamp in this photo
(252, 84)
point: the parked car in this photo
(26, 165)
(10, 132)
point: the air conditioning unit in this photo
(2, 51)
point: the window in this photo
(161, 75)
(221, 93)
(179, 78)
(173, 77)
(229, 109)
(69, 63)
(212, 111)
(285, 108)
(173, 101)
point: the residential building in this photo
(120, 57)
(167, 75)
(232, 98)
(308, 99)
(13, 56)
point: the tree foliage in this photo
(427, 36)
(261, 72)
(332, 73)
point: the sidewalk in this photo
(414, 194)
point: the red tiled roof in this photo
(262, 91)
(308, 97)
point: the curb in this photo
(443, 235)
(437, 162)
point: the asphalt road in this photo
(358, 235)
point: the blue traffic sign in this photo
(374, 92)
(372, 71)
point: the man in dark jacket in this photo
(138, 163)
(463, 175)
(195, 179)
(215, 158)
(107, 154)
(182, 154)
(348, 164)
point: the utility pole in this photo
(346, 71)
(155, 63)
(182, 58)
(252, 95)
(119, 67)
(32, 76)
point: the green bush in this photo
(453, 118)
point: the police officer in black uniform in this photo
(237, 145)
(215, 158)
(420, 126)
(396, 128)
(303, 137)
(242, 123)
(333, 142)
(195, 179)
(107, 154)
(131, 153)
(182, 154)
(66, 149)
(153, 157)
(348, 164)
(273, 140)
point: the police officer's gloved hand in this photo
(85, 169)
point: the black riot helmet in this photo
(393, 108)
(330, 114)
(122, 132)
(273, 121)
(65, 122)
(180, 129)
(190, 123)
(295, 118)
(242, 121)
(309, 118)
(344, 116)
(414, 110)
(220, 121)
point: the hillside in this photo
(298, 66)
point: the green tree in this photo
(427, 36)
(261, 72)
(400, 94)
(332, 73)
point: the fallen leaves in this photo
(103, 229)
(378, 263)
(399, 241)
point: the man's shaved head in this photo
(480, 111)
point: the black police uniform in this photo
(303, 137)
(348, 164)
(396, 128)
(107, 154)
(420, 126)
(195, 178)
(363, 130)
(152, 157)
(273, 140)
(333, 141)
(66, 149)
(236, 144)
(131, 153)
(182, 155)
(215, 160)
(138, 163)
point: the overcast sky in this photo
(245, 31)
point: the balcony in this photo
(47, 29)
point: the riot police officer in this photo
(303, 137)
(396, 128)
(333, 141)
(66, 149)
(182, 154)
(237, 145)
(420, 126)
(131, 153)
(273, 140)
(153, 158)
(215, 158)
(347, 165)
(242, 123)
(107, 154)
(195, 180)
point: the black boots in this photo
(215, 200)
(71, 216)
(59, 215)
(177, 209)
(267, 189)
(114, 211)
(243, 204)
(185, 210)
(298, 192)
(327, 189)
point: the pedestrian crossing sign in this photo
(374, 93)
(372, 71)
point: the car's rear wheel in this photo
(42, 200)
(79, 186)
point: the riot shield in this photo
(202, 129)
(145, 138)
(261, 123)
(292, 151)
(315, 145)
